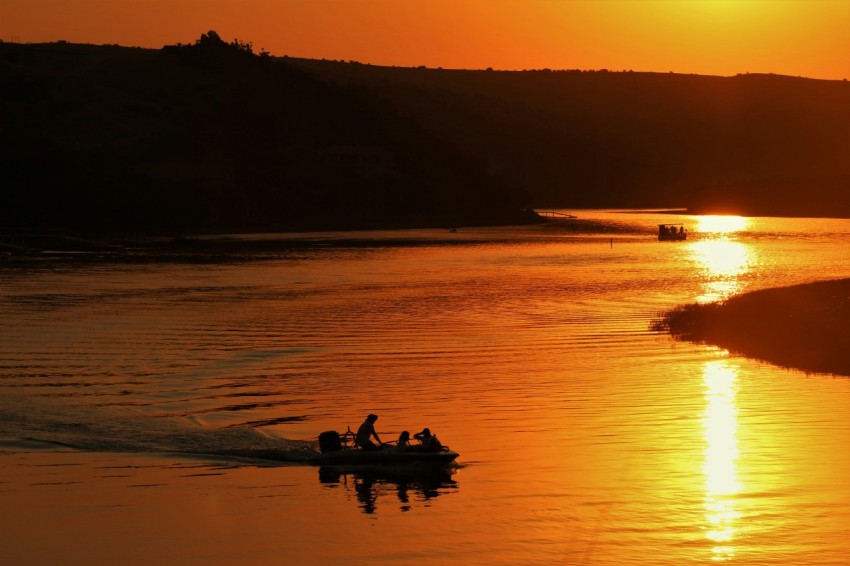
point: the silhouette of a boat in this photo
(672, 232)
(339, 450)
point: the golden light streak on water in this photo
(720, 430)
(722, 224)
(724, 262)
(722, 259)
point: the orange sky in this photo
(719, 37)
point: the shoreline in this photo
(802, 327)
(33, 245)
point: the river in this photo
(584, 437)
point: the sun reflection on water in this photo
(722, 224)
(720, 427)
(724, 260)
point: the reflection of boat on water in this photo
(339, 450)
(672, 232)
(371, 483)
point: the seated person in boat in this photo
(363, 439)
(428, 440)
(403, 441)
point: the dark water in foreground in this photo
(584, 437)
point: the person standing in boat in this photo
(428, 440)
(363, 439)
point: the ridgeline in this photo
(211, 137)
(751, 144)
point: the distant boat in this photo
(672, 232)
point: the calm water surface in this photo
(585, 438)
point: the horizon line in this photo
(16, 40)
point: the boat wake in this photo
(31, 427)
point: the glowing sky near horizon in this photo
(808, 38)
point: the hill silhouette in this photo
(210, 136)
(751, 144)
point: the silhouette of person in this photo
(428, 440)
(363, 439)
(403, 441)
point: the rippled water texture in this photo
(128, 388)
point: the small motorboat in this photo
(339, 450)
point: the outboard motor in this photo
(329, 441)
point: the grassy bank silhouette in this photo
(802, 326)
